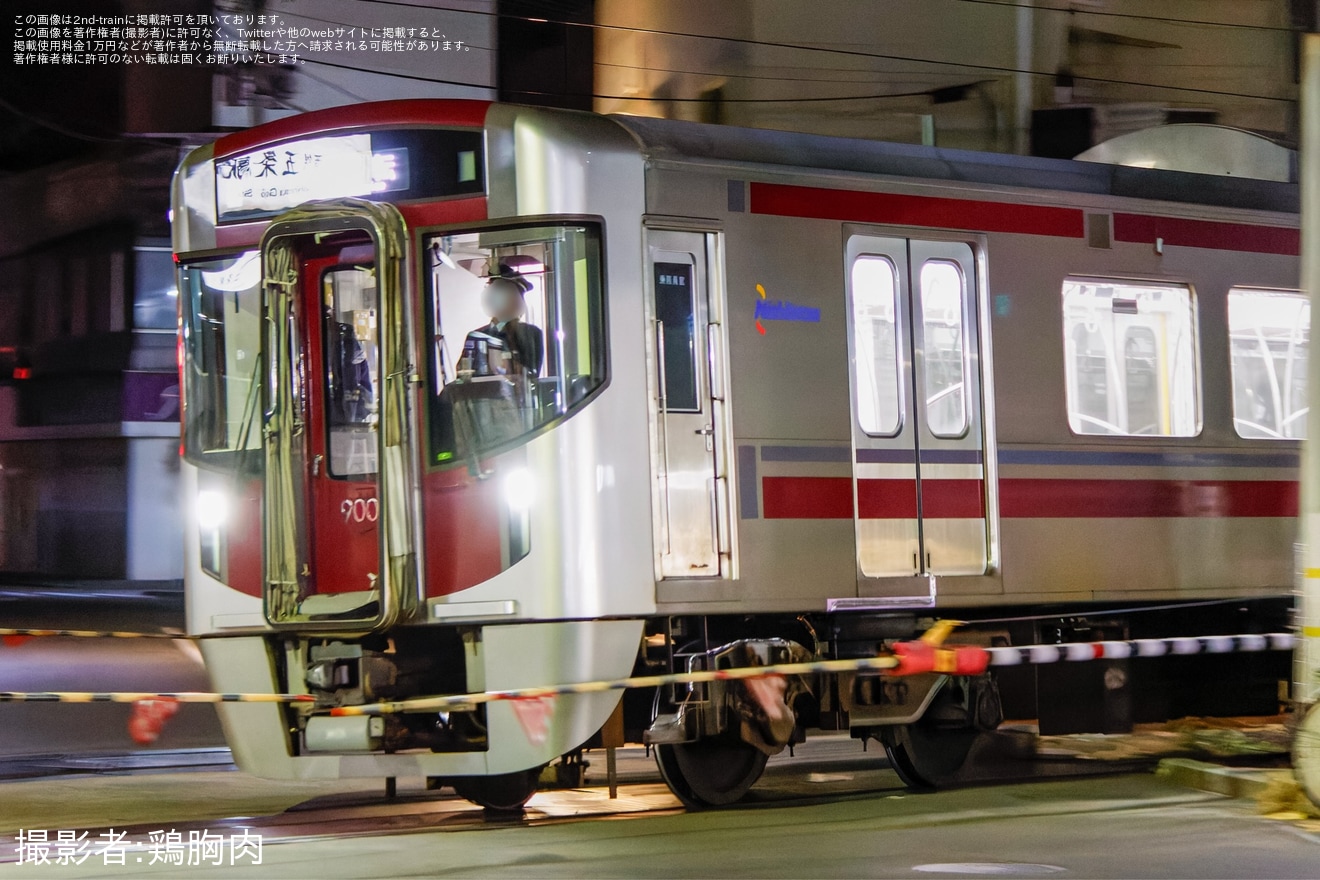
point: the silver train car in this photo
(479, 396)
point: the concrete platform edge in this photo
(1234, 782)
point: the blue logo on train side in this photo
(782, 310)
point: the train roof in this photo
(668, 139)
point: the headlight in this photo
(519, 490)
(212, 509)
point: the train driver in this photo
(351, 388)
(507, 345)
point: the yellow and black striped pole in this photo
(461, 701)
(909, 658)
(137, 697)
(14, 632)
(953, 660)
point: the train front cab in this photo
(380, 507)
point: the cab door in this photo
(917, 407)
(688, 407)
(329, 290)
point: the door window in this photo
(351, 369)
(944, 353)
(675, 309)
(875, 337)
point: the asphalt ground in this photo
(826, 823)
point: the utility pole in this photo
(1306, 659)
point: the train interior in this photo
(515, 333)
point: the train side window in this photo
(221, 323)
(1140, 367)
(876, 346)
(511, 354)
(1130, 358)
(944, 348)
(1269, 334)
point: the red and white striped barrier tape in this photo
(1177, 646)
(908, 658)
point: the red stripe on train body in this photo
(1252, 238)
(939, 213)
(1028, 498)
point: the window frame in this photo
(901, 397)
(964, 350)
(602, 354)
(326, 391)
(234, 459)
(664, 378)
(1070, 372)
(1289, 293)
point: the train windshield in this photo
(518, 337)
(221, 356)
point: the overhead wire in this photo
(1072, 10)
(798, 47)
(802, 47)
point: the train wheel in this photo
(709, 772)
(506, 792)
(924, 756)
(926, 753)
